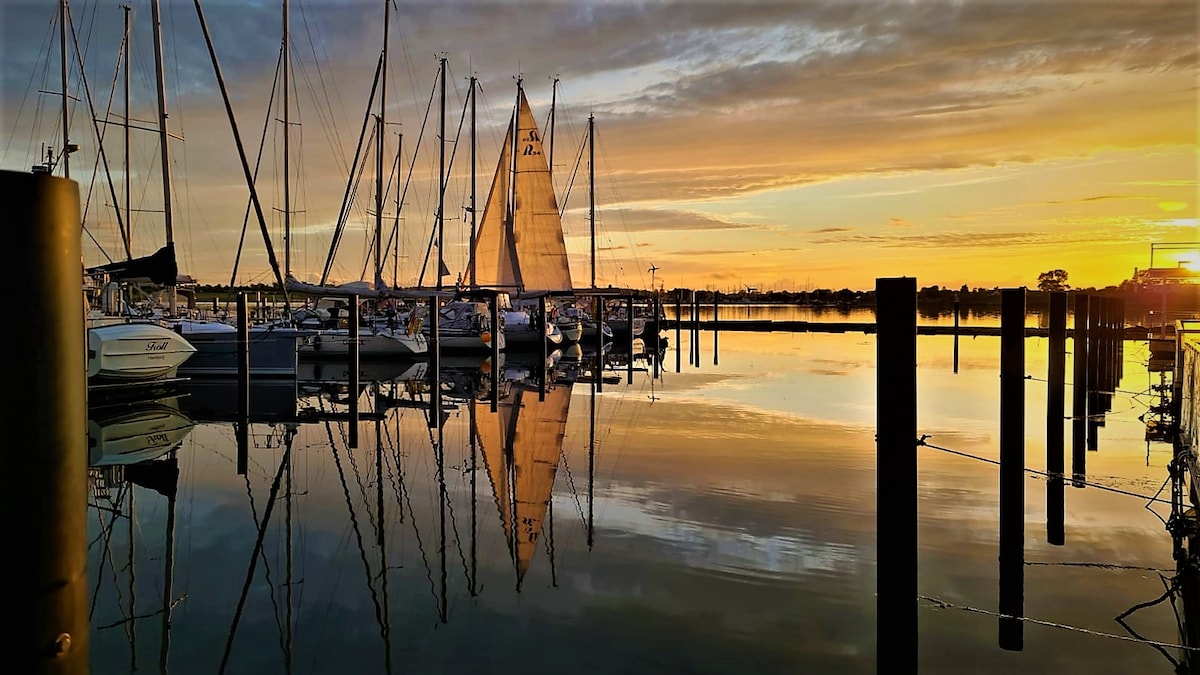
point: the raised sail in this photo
(520, 244)
(536, 226)
(493, 253)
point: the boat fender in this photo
(316, 343)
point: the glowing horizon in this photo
(776, 145)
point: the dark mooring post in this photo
(716, 335)
(696, 327)
(598, 376)
(1079, 392)
(494, 308)
(658, 331)
(629, 343)
(243, 383)
(543, 369)
(1102, 346)
(896, 474)
(678, 328)
(1055, 402)
(1012, 468)
(352, 364)
(435, 361)
(1119, 357)
(956, 309)
(1094, 349)
(1110, 353)
(45, 396)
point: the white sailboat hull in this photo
(383, 343)
(135, 351)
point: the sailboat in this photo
(521, 443)
(519, 248)
(120, 348)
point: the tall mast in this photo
(396, 239)
(287, 129)
(471, 266)
(592, 189)
(128, 182)
(510, 211)
(441, 221)
(377, 281)
(62, 44)
(553, 102)
(156, 22)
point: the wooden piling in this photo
(598, 376)
(1055, 403)
(678, 329)
(1095, 344)
(435, 361)
(956, 310)
(716, 322)
(45, 403)
(494, 310)
(352, 364)
(1079, 392)
(542, 328)
(629, 344)
(696, 328)
(243, 382)
(1119, 319)
(1012, 468)
(896, 474)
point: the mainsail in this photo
(520, 242)
(521, 443)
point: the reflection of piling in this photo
(896, 471)
(243, 381)
(956, 301)
(591, 495)
(1079, 392)
(45, 395)
(1012, 467)
(352, 356)
(1055, 402)
(716, 334)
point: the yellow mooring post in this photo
(45, 401)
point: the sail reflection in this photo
(521, 444)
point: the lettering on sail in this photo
(528, 140)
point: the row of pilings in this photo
(1097, 338)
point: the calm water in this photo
(725, 523)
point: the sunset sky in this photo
(784, 145)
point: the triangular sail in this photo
(537, 227)
(492, 252)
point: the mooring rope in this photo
(942, 604)
(1076, 481)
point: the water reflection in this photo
(720, 518)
